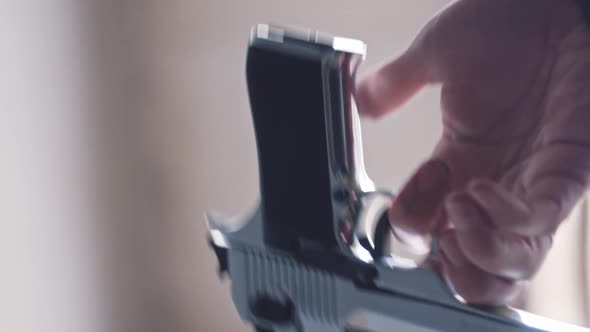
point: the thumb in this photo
(391, 85)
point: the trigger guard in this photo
(387, 243)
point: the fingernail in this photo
(433, 178)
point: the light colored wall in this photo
(49, 271)
(159, 133)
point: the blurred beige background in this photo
(124, 121)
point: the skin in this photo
(514, 157)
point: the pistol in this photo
(318, 252)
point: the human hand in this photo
(514, 157)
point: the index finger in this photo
(391, 85)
